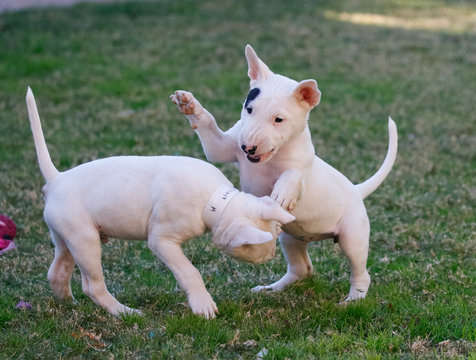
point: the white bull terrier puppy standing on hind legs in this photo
(272, 145)
(164, 199)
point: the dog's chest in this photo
(257, 179)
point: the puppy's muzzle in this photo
(251, 155)
(249, 149)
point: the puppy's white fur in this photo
(272, 145)
(164, 199)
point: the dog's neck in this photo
(217, 204)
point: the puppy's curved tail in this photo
(371, 184)
(47, 168)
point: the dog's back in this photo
(121, 193)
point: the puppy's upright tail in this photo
(371, 184)
(47, 168)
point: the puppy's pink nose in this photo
(249, 149)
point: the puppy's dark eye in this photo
(249, 109)
(278, 120)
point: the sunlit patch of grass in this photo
(446, 19)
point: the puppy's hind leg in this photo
(61, 269)
(354, 242)
(299, 263)
(85, 245)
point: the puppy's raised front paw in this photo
(184, 101)
(203, 305)
(188, 105)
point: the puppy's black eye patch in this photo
(251, 96)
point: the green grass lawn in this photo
(102, 75)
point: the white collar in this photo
(217, 204)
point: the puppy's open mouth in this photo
(260, 158)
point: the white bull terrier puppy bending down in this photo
(272, 145)
(165, 199)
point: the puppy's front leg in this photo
(188, 277)
(288, 188)
(218, 146)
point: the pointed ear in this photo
(270, 210)
(257, 70)
(251, 236)
(307, 94)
